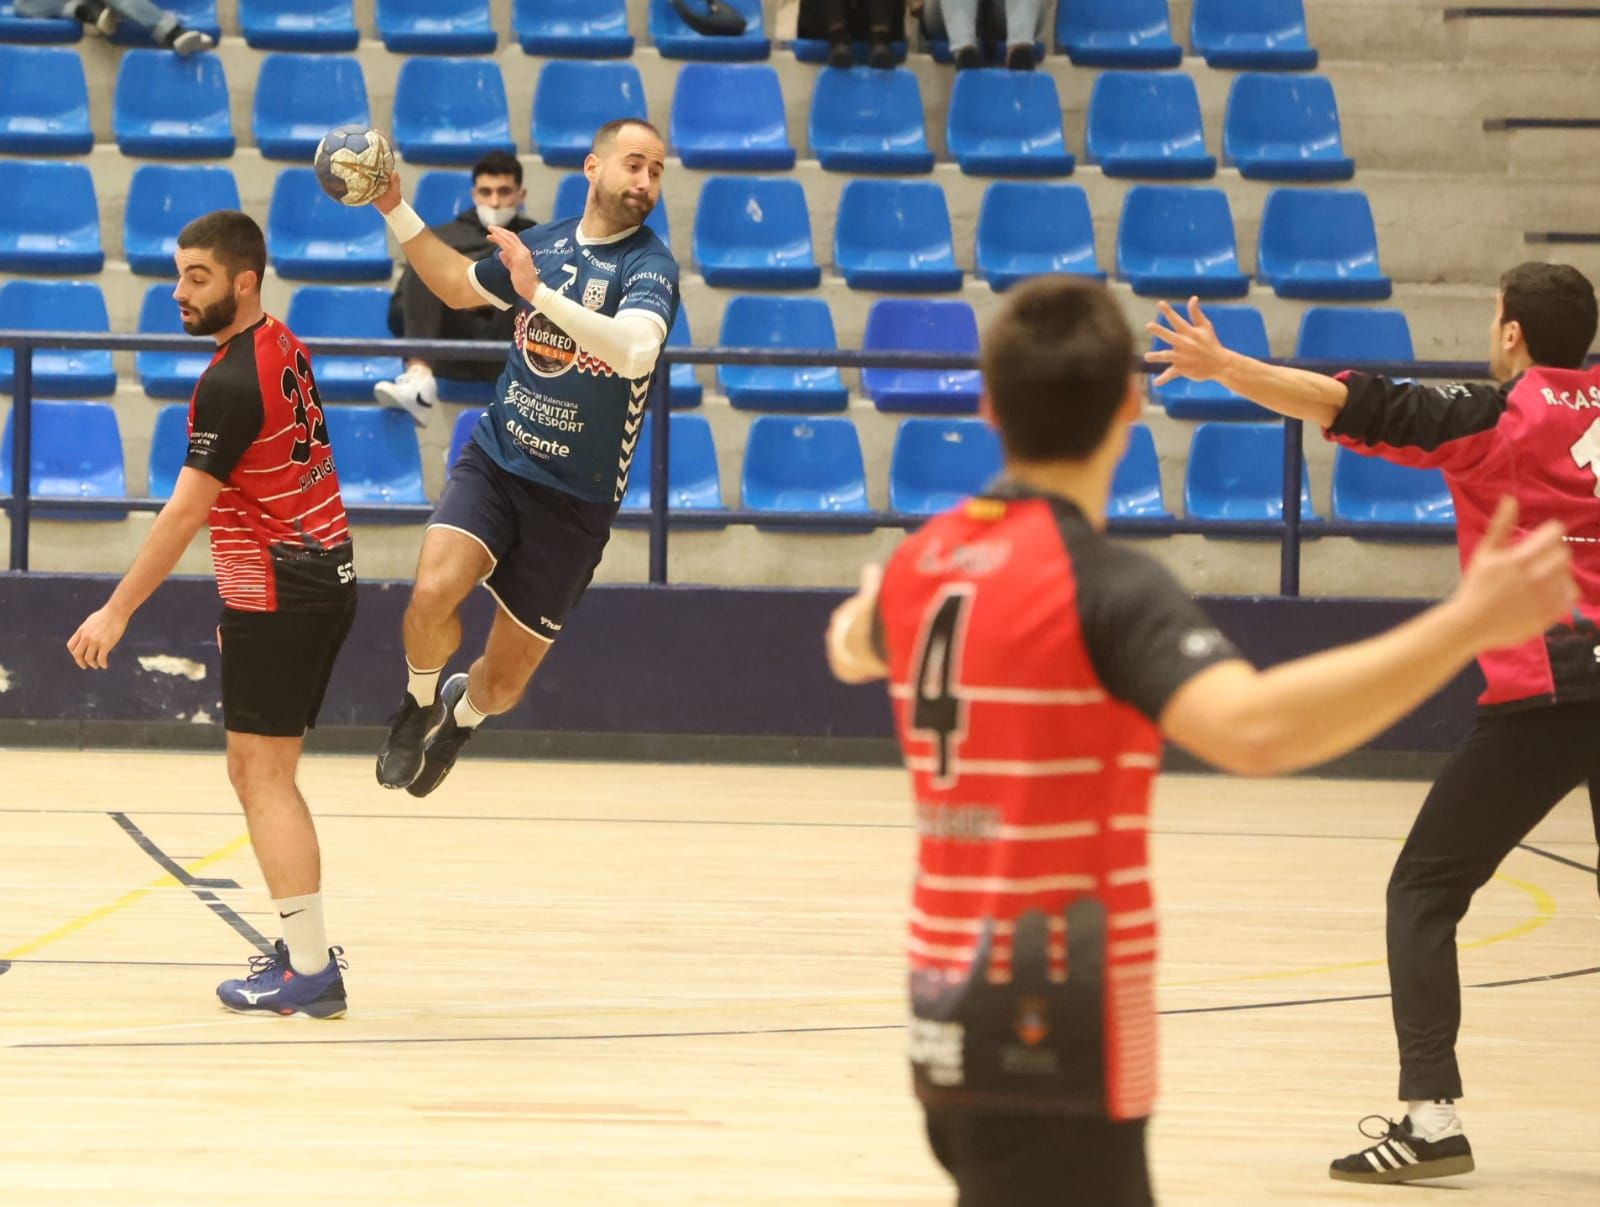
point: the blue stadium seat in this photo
(441, 195)
(693, 480)
(754, 232)
(58, 306)
(76, 454)
(1236, 473)
(451, 111)
(895, 235)
(172, 107)
(465, 391)
(777, 322)
(573, 193)
(574, 29)
(299, 24)
(573, 100)
(436, 26)
(300, 97)
(166, 374)
(1136, 487)
(918, 325)
(376, 453)
(162, 200)
(50, 221)
(345, 312)
(730, 115)
(804, 463)
(1252, 35)
(44, 102)
(938, 462)
(1176, 241)
(1321, 244)
(312, 237)
(1028, 229)
(169, 447)
(683, 387)
(865, 120)
(1117, 33)
(1370, 490)
(1148, 124)
(35, 29)
(1285, 127)
(1240, 328)
(1354, 333)
(466, 423)
(1007, 123)
(675, 40)
(195, 14)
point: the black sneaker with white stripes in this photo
(1400, 1155)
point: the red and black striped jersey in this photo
(279, 537)
(1029, 658)
(1537, 437)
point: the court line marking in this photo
(1571, 863)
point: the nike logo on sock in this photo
(292, 913)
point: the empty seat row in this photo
(1230, 34)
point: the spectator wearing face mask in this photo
(416, 313)
(103, 17)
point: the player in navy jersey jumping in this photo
(260, 469)
(1034, 667)
(530, 502)
(1535, 435)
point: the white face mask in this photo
(489, 216)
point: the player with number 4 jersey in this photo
(1534, 436)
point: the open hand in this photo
(96, 638)
(514, 254)
(1517, 591)
(1195, 351)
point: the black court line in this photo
(5, 967)
(201, 888)
(129, 963)
(1571, 863)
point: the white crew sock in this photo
(467, 716)
(1433, 1118)
(423, 685)
(303, 932)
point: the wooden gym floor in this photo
(621, 983)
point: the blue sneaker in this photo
(273, 987)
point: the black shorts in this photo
(1041, 1160)
(276, 667)
(545, 543)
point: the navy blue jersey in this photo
(562, 417)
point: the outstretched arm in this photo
(442, 268)
(1196, 353)
(853, 653)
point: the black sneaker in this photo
(842, 55)
(881, 55)
(968, 58)
(445, 743)
(400, 759)
(1020, 57)
(1402, 1156)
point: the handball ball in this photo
(354, 164)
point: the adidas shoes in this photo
(400, 757)
(274, 987)
(413, 392)
(1400, 1155)
(444, 746)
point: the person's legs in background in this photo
(1022, 27)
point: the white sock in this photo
(467, 716)
(423, 685)
(303, 932)
(1433, 1117)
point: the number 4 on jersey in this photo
(938, 712)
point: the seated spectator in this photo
(879, 23)
(1019, 25)
(103, 17)
(416, 313)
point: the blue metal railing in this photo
(661, 517)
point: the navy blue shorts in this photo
(545, 543)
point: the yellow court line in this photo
(166, 880)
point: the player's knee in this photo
(256, 776)
(436, 596)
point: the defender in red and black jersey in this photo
(1034, 668)
(260, 467)
(1534, 437)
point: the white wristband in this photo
(405, 222)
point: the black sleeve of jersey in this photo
(1407, 415)
(228, 414)
(1144, 634)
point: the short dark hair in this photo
(498, 163)
(1556, 307)
(234, 238)
(1056, 364)
(610, 130)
